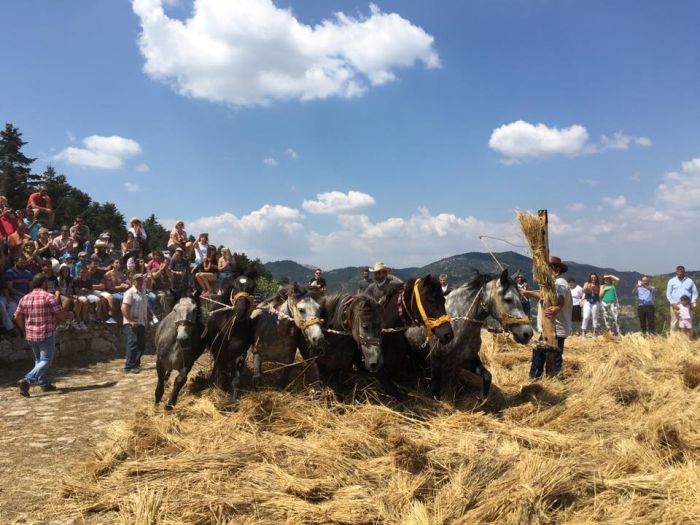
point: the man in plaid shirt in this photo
(36, 316)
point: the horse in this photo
(229, 331)
(178, 346)
(290, 320)
(468, 306)
(359, 319)
(418, 302)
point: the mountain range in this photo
(458, 269)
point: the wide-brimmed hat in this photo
(556, 262)
(379, 266)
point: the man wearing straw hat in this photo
(561, 313)
(383, 282)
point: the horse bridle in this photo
(506, 319)
(429, 322)
(242, 295)
(348, 322)
(302, 324)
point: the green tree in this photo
(157, 234)
(242, 261)
(16, 179)
(69, 201)
(106, 217)
(267, 286)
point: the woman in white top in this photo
(200, 249)
(576, 312)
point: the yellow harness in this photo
(506, 318)
(302, 324)
(242, 295)
(430, 324)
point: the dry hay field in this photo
(615, 440)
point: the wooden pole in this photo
(549, 334)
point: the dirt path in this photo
(50, 431)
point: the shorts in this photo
(576, 315)
(685, 323)
(90, 298)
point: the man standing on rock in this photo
(36, 316)
(135, 313)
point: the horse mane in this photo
(304, 291)
(478, 280)
(334, 311)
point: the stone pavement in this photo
(49, 432)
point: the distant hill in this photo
(458, 268)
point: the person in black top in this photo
(318, 281)
(365, 281)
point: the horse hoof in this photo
(169, 408)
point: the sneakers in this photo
(135, 370)
(62, 327)
(154, 320)
(80, 326)
(111, 320)
(23, 386)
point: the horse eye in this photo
(365, 327)
(301, 310)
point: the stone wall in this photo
(105, 340)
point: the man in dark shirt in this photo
(365, 281)
(318, 281)
(178, 268)
(444, 285)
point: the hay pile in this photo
(616, 439)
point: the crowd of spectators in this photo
(89, 272)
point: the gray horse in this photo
(468, 306)
(290, 320)
(178, 346)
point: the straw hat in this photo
(556, 262)
(380, 266)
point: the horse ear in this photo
(427, 279)
(295, 288)
(504, 277)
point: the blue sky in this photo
(450, 116)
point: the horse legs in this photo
(180, 381)
(240, 361)
(162, 378)
(435, 376)
(257, 369)
(476, 367)
(389, 386)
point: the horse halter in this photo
(242, 295)
(302, 324)
(506, 319)
(348, 322)
(429, 323)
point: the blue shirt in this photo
(646, 295)
(19, 279)
(34, 230)
(677, 289)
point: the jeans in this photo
(5, 312)
(610, 313)
(590, 313)
(43, 357)
(646, 318)
(539, 358)
(135, 345)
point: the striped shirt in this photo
(39, 309)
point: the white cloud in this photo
(680, 190)
(270, 162)
(251, 52)
(292, 153)
(101, 152)
(576, 207)
(520, 141)
(615, 202)
(338, 202)
(130, 186)
(142, 168)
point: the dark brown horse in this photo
(418, 302)
(352, 322)
(229, 331)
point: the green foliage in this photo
(69, 202)
(662, 312)
(267, 286)
(157, 235)
(106, 217)
(16, 179)
(242, 261)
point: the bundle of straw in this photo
(536, 234)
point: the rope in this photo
(225, 306)
(488, 249)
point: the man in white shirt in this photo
(445, 285)
(135, 313)
(561, 313)
(576, 310)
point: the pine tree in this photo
(157, 235)
(69, 202)
(16, 179)
(106, 217)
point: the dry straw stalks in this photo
(614, 440)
